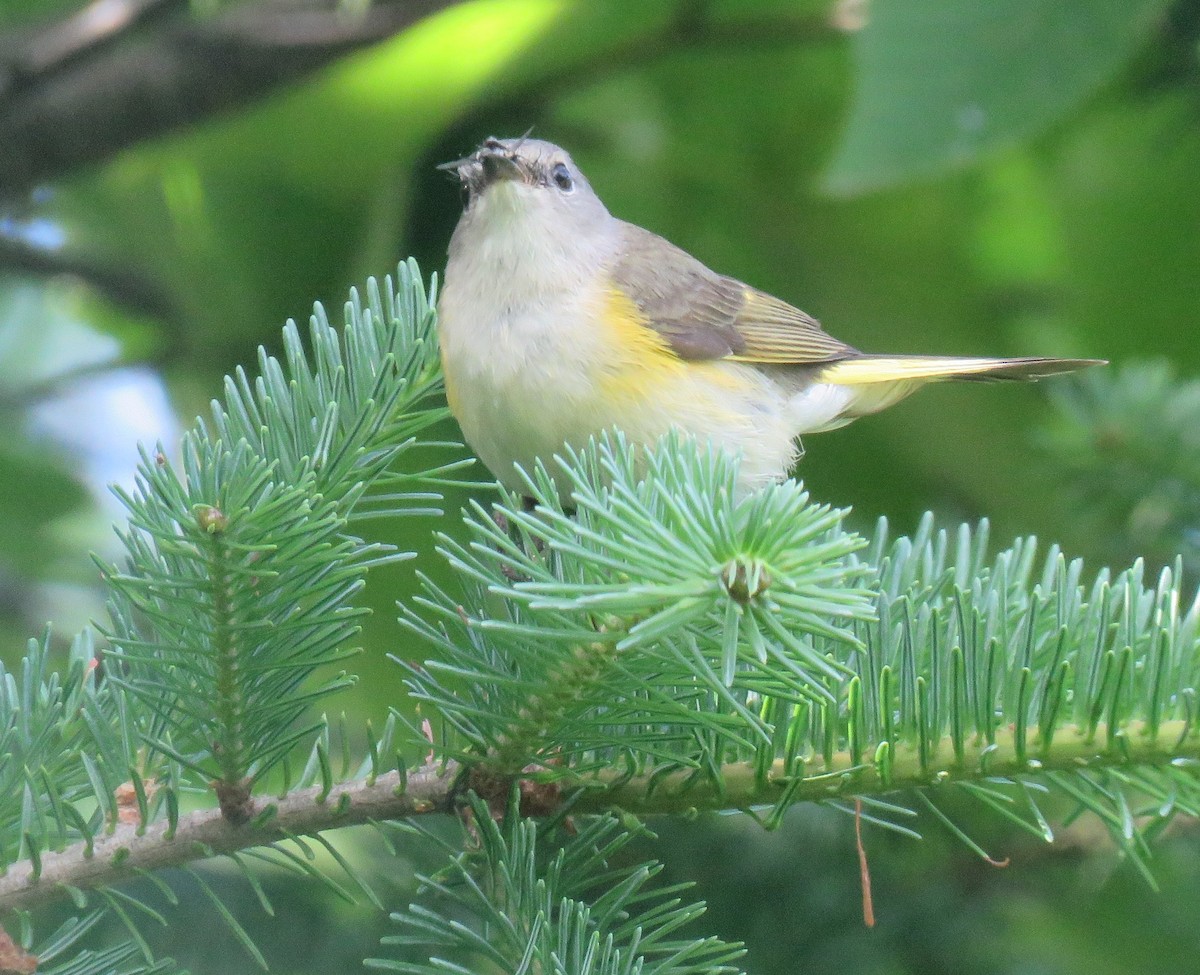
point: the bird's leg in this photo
(528, 504)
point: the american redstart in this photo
(558, 321)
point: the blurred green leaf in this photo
(942, 82)
(34, 490)
(1126, 188)
(24, 11)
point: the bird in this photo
(558, 321)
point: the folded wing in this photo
(704, 315)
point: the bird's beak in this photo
(491, 163)
(498, 166)
(455, 165)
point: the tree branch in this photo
(125, 287)
(122, 71)
(127, 852)
(87, 87)
(87, 31)
(741, 787)
(124, 853)
(91, 85)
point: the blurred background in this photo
(1020, 177)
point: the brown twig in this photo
(126, 852)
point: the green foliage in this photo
(121, 960)
(345, 412)
(512, 905)
(1003, 664)
(68, 744)
(239, 585)
(41, 730)
(1127, 444)
(941, 83)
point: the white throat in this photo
(517, 325)
(517, 244)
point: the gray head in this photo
(526, 186)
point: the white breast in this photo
(519, 360)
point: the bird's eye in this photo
(465, 193)
(562, 177)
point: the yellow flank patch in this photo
(637, 360)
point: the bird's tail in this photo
(870, 383)
(868, 369)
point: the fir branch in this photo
(345, 411)
(129, 850)
(67, 743)
(41, 732)
(225, 611)
(661, 590)
(667, 645)
(962, 663)
(241, 571)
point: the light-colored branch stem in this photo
(741, 787)
(124, 853)
(431, 789)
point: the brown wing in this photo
(704, 315)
